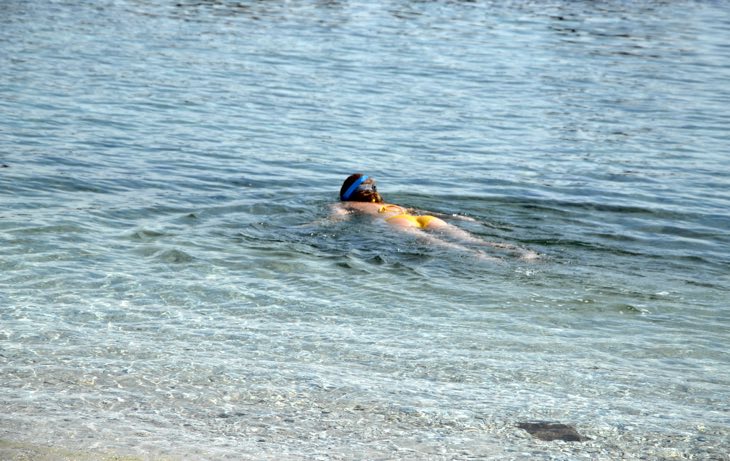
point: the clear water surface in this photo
(171, 285)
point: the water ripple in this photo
(172, 285)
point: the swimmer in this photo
(359, 194)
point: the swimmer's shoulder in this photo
(360, 207)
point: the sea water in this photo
(172, 285)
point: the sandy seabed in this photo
(18, 451)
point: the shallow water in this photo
(170, 285)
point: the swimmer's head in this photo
(360, 188)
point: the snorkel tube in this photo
(350, 190)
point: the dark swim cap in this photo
(348, 193)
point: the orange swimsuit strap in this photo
(389, 207)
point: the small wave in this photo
(147, 235)
(174, 256)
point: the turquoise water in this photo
(170, 285)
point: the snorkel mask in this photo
(358, 186)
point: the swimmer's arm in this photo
(339, 212)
